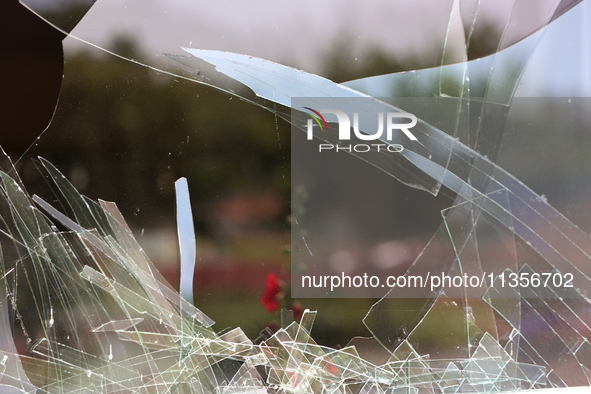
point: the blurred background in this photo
(124, 129)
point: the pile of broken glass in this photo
(106, 321)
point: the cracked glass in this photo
(447, 252)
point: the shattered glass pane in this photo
(466, 238)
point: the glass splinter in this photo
(186, 235)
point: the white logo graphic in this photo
(345, 125)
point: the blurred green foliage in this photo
(130, 132)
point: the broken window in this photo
(464, 215)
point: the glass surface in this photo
(191, 119)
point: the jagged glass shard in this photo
(186, 235)
(12, 374)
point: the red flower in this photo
(271, 296)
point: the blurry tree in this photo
(341, 64)
(132, 132)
